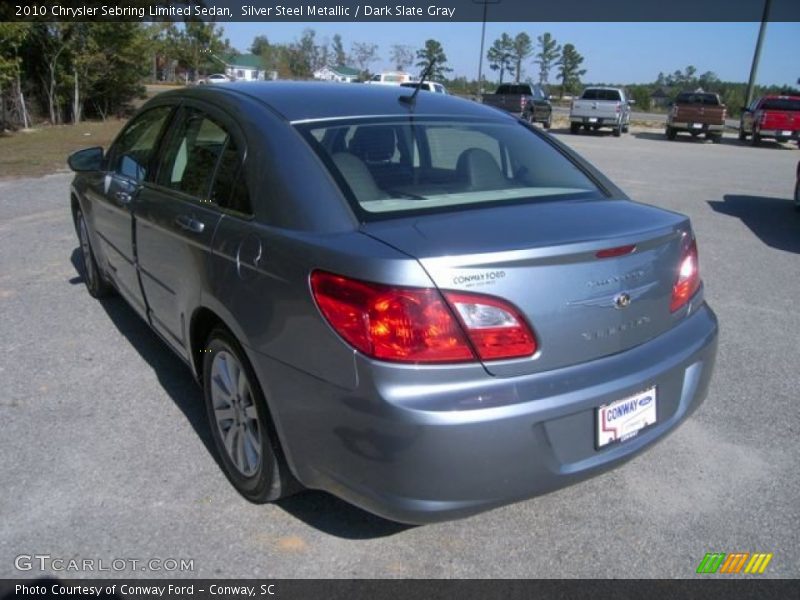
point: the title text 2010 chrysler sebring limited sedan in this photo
(421, 305)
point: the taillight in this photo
(688, 280)
(494, 327)
(763, 118)
(415, 325)
(674, 110)
(617, 107)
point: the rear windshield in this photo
(596, 94)
(515, 89)
(401, 166)
(781, 104)
(697, 98)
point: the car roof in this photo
(309, 101)
(780, 97)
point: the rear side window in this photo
(698, 98)
(204, 161)
(780, 104)
(599, 94)
(399, 166)
(132, 151)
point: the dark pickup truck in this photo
(697, 113)
(530, 102)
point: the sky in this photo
(613, 52)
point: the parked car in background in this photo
(776, 117)
(426, 86)
(390, 78)
(213, 79)
(697, 113)
(601, 107)
(529, 102)
(427, 308)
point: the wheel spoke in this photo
(240, 459)
(223, 414)
(228, 438)
(252, 450)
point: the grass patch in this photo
(44, 150)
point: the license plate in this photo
(786, 133)
(697, 126)
(623, 419)
(592, 119)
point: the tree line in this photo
(301, 58)
(508, 54)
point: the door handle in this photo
(123, 197)
(190, 224)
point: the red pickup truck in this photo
(776, 117)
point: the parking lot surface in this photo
(106, 453)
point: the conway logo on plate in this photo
(719, 562)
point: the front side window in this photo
(132, 151)
(393, 167)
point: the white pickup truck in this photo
(601, 107)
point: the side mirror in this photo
(88, 159)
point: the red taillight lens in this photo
(688, 280)
(494, 327)
(617, 108)
(763, 118)
(415, 324)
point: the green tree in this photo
(401, 56)
(260, 45)
(548, 55)
(337, 49)
(569, 69)
(12, 38)
(364, 54)
(201, 47)
(522, 48)
(500, 55)
(433, 51)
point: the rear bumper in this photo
(597, 122)
(783, 134)
(417, 448)
(701, 127)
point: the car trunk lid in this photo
(548, 260)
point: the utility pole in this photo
(485, 3)
(757, 55)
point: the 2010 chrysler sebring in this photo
(417, 303)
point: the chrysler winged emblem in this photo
(618, 300)
(622, 300)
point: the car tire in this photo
(671, 133)
(742, 133)
(617, 131)
(755, 139)
(797, 196)
(548, 123)
(94, 279)
(240, 422)
(715, 138)
(574, 128)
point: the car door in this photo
(128, 165)
(748, 116)
(178, 216)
